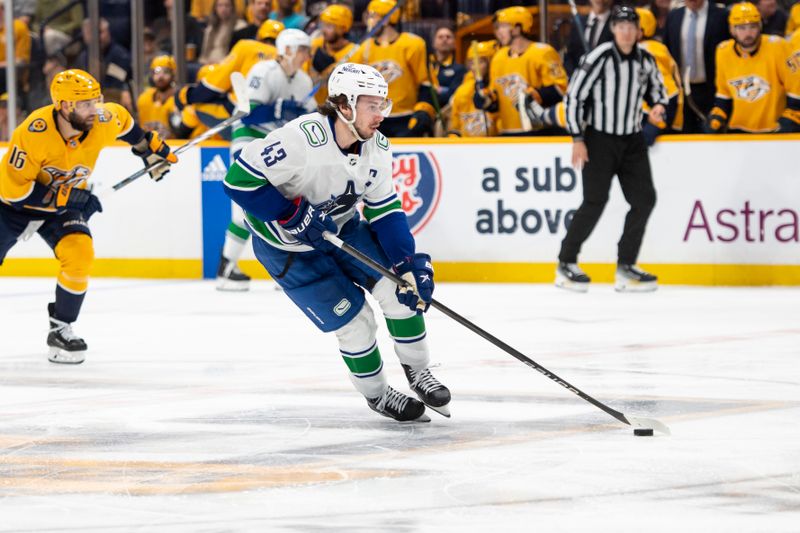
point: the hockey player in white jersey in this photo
(278, 90)
(305, 179)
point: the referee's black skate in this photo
(429, 390)
(394, 404)
(230, 278)
(569, 276)
(630, 278)
(64, 346)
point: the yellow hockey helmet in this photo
(74, 85)
(744, 13)
(515, 15)
(165, 61)
(485, 49)
(647, 21)
(338, 15)
(269, 29)
(382, 8)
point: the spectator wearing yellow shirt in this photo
(155, 104)
(466, 120)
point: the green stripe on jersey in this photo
(375, 213)
(365, 364)
(238, 231)
(239, 178)
(406, 328)
(261, 229)
(246, 131)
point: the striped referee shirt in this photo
(607, 90)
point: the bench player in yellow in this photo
(43, 188)
(466, 120)
(196, 119)
(156, 105)
(331, 47)
(752, 79)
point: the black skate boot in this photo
(65, 346)
(569, 276)
(394, 404)
(630, 278)
(230, 278)
(429, 390)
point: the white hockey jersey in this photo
(266, 83)
(302, 159)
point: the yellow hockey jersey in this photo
(793, 64)
(403, 63)
(241, 58)
(465, 118)
(199, 116)
(539, 66)
(338, 55)
(38, 153)
(794, 20)
(671, 74)
(154, 114)
(754, 83)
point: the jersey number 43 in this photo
(272, 158)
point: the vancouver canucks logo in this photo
(389, 69)
(418, 182)
(341, 204)
(750, 88)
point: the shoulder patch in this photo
(315, 133)
(104, 116)
(38, 125)
(381, 140)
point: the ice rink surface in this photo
(204, 411)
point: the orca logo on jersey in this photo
(750, 88)
(343, 203)
(418, 182)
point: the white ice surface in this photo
(203, 411)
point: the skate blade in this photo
(226, 285)
(564, 283)
(635, 286)
(63, 357)
(443, 410)
(422, 418)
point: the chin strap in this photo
(350, 124)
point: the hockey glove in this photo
(417, 272)
(789, 121)
(717, 121)
(481, 99)
(68, 197)
(421, 122)
(322, 60)
(280, 110)
(307, 224)
(153, 150)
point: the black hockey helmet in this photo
(624, 13)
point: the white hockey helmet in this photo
(353, 80)
(290, 40)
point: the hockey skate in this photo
(394, 404)
(429, 390)
(630, 278)
(65, 347)
(230, 278)
(569, 276)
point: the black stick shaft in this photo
(353, 252)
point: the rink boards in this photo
(493, 210)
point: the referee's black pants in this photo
(609, 155)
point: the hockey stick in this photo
(369, 35)
(578, 24)
(687, 91)
(635, 421)
(242, 108)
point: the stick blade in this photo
(648, 423)
(239, 86)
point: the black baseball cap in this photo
(624, 13)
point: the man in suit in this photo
(692, 34)
(596, 30)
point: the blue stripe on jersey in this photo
(361, 353)
(389, 199)
(244, 164)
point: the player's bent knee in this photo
(384, 292)
(75, 252)
(359, 333)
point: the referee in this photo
(604, 117)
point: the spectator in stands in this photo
(5, 135)
(692, 34)
(446, 74)
(162, 27)
(22, 48)
(155, 104)
(753, 79)
(115, 65)
(287, 14)
(201, 10)
(259, 12)
(774, 17)
(521, 72)
(25, 10)
(118, 15)
(794, 19)
(466, 120)
(58, 32)
(331, 46)
(596, 30)
(660, 9)
(217, 36)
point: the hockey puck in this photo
(640, 432)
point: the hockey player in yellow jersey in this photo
(155, 104)
(466, 120)
(402, 60)
(331, 47)
(43, 188)
(196, 119)
(793, 22)
(216, 86)
(521, 71)
(792, 112)
(752, 75)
